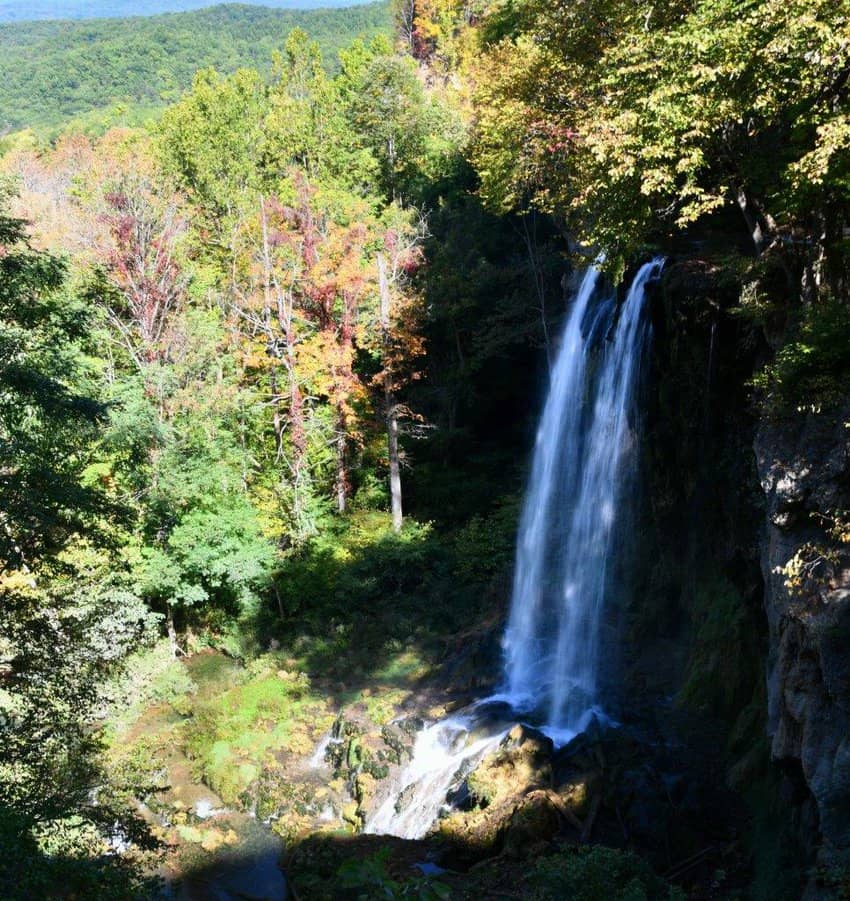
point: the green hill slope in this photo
(15, 11)
(51, 72)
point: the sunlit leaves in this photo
(46, 424)
(669, 114)
(213, 138)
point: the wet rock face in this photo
(638, 789)
(804, 468)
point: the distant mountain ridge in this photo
(37, 10)
(101, 72)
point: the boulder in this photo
(510, 805)
(522, 763)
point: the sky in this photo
(22, 10)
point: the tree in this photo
(335, 281)
(53, 651)
(404, 13)
(631, 121)
(197, 549)
(401, 341)
(213, 142)
(388, 109)
(46, 422)
(327, 314)
(170, 453)
(142, 267)
(271, 327)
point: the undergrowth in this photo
(234, 734)
(589, 873)
(811, 372)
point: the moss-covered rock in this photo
(536, 819)
(351, 814)
(511, 807)
(522, 762)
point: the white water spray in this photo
(441, 754)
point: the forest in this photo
(93, 74)
(424, 466)
(11, 11)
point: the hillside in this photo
(13, 11)
(55, 71)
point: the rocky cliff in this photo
(804, 468)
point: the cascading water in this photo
(583, 461)
(441, 754)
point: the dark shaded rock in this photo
(804, 467)
(534, 822)
(476, 664)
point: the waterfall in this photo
(583, 462)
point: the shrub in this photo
(590, 873)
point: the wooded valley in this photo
(424, 466)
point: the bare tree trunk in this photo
(405, 12)
(395, 463)
(751, 218)
(278, 301)
(172, 632)
(277, 420)
(279, 601)
(390, 405)
(344, 377)
(813, 270)
(341, 469)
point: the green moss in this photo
(238, 732)
(724, 667)
(210, 671)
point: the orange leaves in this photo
(325, 337)
(326, 366)
(301, 280)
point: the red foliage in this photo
(141, 264)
